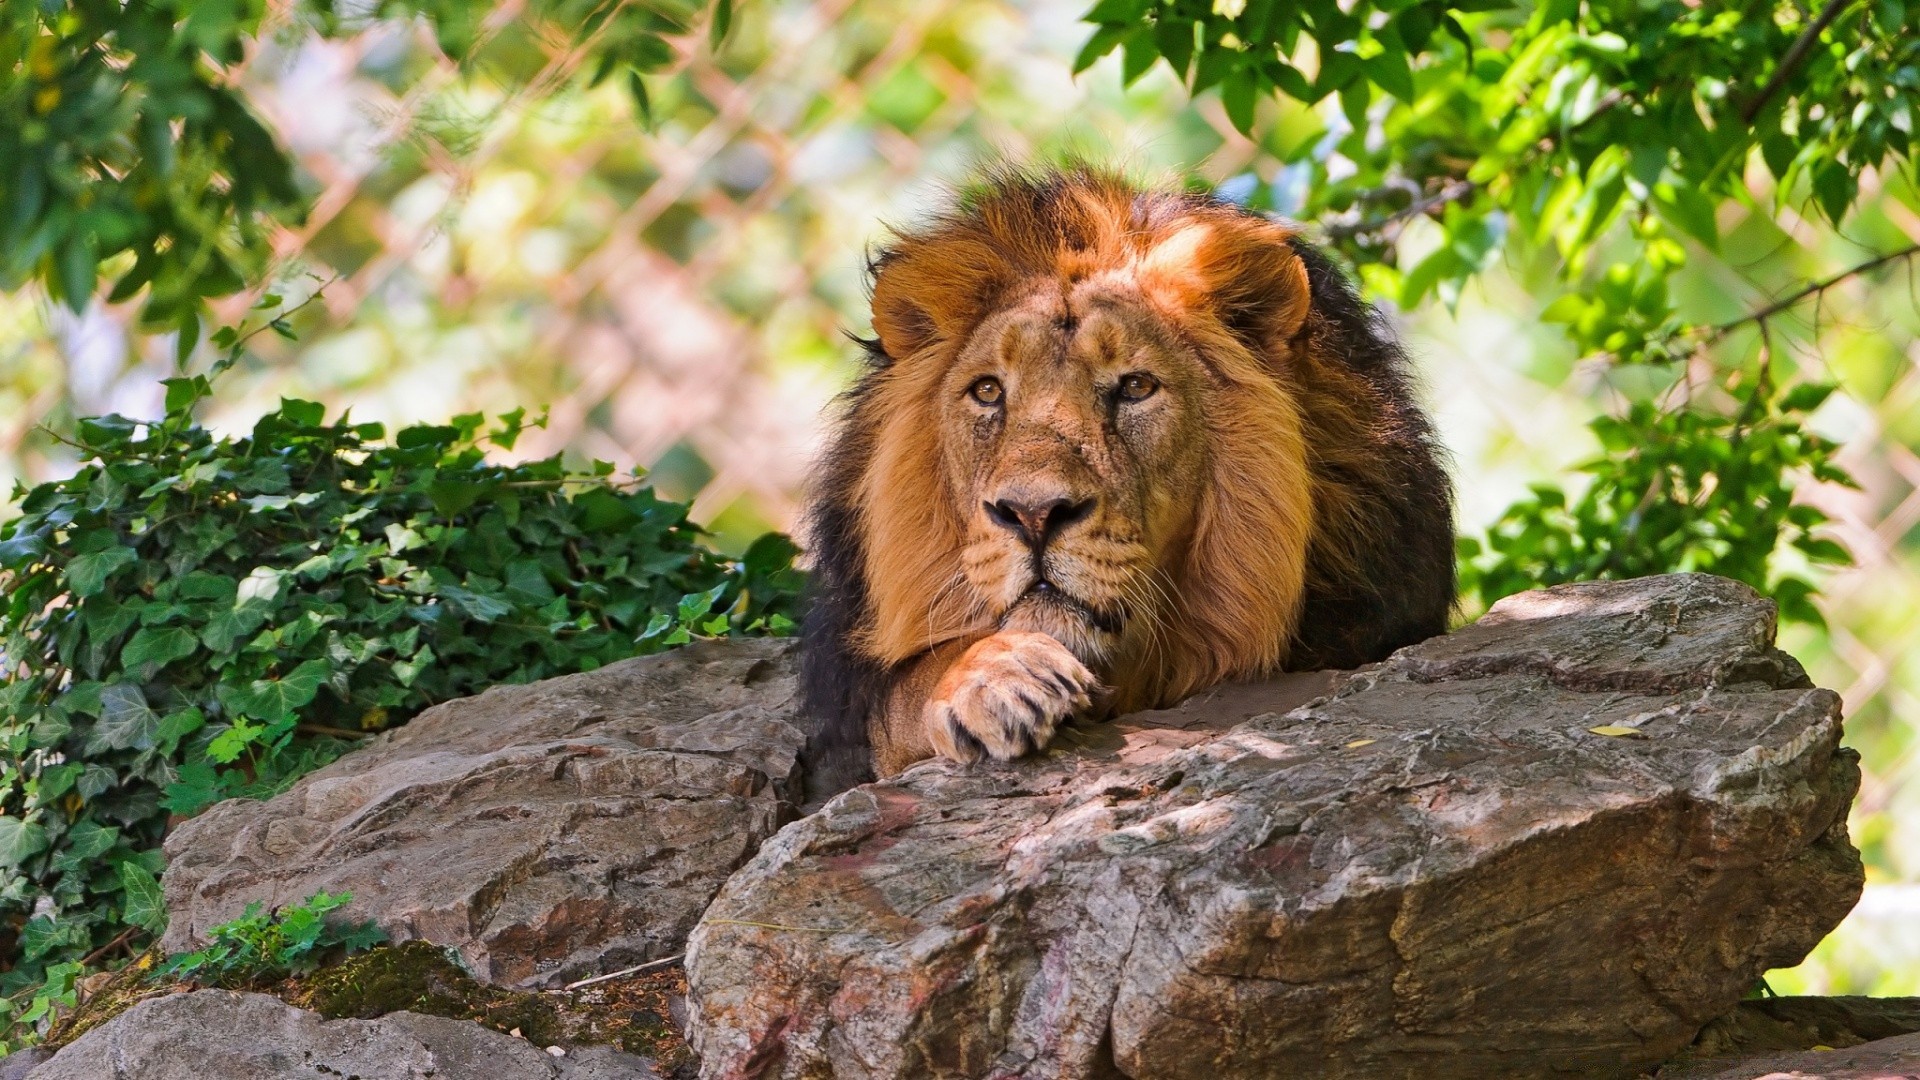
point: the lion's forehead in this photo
(1052, 336)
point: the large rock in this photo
(221, 1035)
(547, 831)
(1439, 870)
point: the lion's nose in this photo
(1036, 522)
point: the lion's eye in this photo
(986, 390)
(1137, 387)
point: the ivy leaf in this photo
(20, 840)
(126, 721)
(276, 700)
(152, 648)
(89, 840)
(178, 725)
(88, 574)
(197, 788)
(143, 905)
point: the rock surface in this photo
(219, 1034)
(548, 831)
(1439, 870)
(1897, 1058)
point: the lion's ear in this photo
(933, 290)
(1242, 272)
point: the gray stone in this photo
(1437, 870)
(231, 1036)
(548, 831)
(17, 1065)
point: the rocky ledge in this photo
(1557, 842)
(547, 832)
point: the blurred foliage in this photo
(1610, 133)
(126, 149)
(191, 617)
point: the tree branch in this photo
(1716, 332)
(1797, 52)
(1451, 192)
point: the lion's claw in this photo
(1006, 695)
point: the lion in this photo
(1112, 446)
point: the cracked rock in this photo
(548, 831)
(1436, 868)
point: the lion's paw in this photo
(1006, 695)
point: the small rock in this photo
(1437, 870)
(547, 831)
(17, 1065)
(233, 1036)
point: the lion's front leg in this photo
(1005, 695)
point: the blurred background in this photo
(679, 297)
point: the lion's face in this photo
(1072, 424)
(1086, 426)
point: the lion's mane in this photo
(1380, 562)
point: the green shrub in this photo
(192, 617)
(1679, 489)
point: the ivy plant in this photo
(262, 946)
(192, 616)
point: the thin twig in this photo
(666, 961)
(331, 732)
(100, 953)
(239, 343)
(1715, 333)
(1453, 191)
(1796, 52)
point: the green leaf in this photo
(143, 906)
(1390, 72)
(1138, 56)
(87, 574)
(274, 700)
(89, 840)
(1117, 11)
(1237, 93)
(722, 22)
(152, 648)
(1833, 188)
(1174, 39)
(183, 394)
(20, 840)
(1104, 40)
(178, 725)
(642, 103)
(126, 721)
(197, 788)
